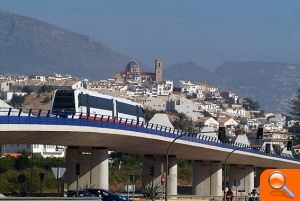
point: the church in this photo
(133, 73)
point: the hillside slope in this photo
(30, 46)
(271, 83)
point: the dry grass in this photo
(38, 101)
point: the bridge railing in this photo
(38, 116)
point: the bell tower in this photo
(158, 70)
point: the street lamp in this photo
(167, 160)
(225, 169)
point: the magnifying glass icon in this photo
(277, 181)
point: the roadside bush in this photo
(17, 101)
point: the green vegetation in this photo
(183, 123)
(152, 191)
(11, 168)
(17, 101)
(132, 165)
(185, 170)
(46, 88)
(149, 113)
(207, 114)
(250, 104)
(191, 96)
(27, 89)
(120, 169)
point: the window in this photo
(64, 100)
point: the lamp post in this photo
(167, 160)
(31, 172)
(225, 169)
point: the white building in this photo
(185, 106)
(165, 88)
(210, 107)
(240, 112)
(228, 122)
(43, 150)
(211, 122)
(39, 78)
(187, 87)
(5, 85)
(155, 103)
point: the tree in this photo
(149, 113)
(22, 162)
(27, 89)
(17, 101)
(199, 125)
(191, 96)
(250, 104)
(46, 88)
(183, 123)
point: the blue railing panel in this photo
(46, 118)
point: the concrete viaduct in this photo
(96, 137)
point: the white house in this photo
(185, 106)
(155, 103)
(39, 78)
(165, 88)
(5, 85)
(228, 122)
(211, 122)
(187, 87)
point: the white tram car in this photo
(87, 102)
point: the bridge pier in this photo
(207, 178)
(172, 186)
(93, 164)
(243, 173)
(158, 163)
(258, 172)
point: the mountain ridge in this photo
(271, 83)
(29, 45)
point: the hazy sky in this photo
(207, 32)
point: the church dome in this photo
(131, 64)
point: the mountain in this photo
(30, 46)
(272, 84)
(189, 71)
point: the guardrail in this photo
(48, 117)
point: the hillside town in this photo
(205, 105)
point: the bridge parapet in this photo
(48, 117)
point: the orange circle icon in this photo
(277, 180)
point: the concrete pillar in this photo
(201, 178)
(258, 172)
(172, 190)
(93, 167)
(246, 176)
(72, 157)
(216, 179)
(207, 178)
(99, 168)
(157, 162)
(249, 179)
